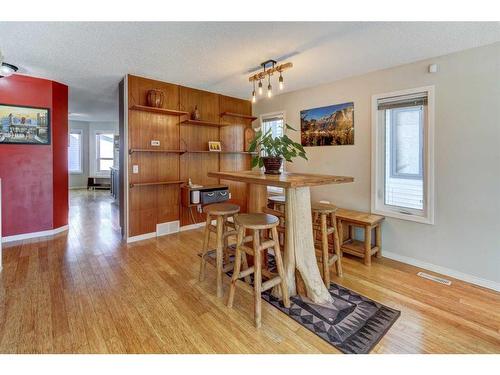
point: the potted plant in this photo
(275, 150)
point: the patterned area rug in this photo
(353, 324)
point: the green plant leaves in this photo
(277, 147)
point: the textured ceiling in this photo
(91, 58)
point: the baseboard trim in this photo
(191, 226)
(443, 270)
(26, 236)
(77, 187)
(141, 237)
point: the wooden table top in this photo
(284, 180)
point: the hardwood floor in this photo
(88, 292)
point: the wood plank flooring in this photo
(87, 292)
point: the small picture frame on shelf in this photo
(214, 146)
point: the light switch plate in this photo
(154, 142)
(135, 169)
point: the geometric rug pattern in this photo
(353, 323)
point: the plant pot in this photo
(272, 164)
(155, 98)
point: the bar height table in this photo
(299, 247)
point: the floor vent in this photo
(439, 280)
(167, 228)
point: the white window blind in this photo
(75, 152)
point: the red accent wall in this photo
(35, 177)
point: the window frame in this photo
(80, 133)
(378, 166)
(98, 158)
(275, 190)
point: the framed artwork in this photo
(328, 126)
(214, 146)
(24, 125)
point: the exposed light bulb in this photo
(7, 69)
(281, 83)
(269, 91)
(260, 87)
(254, 98)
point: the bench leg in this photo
(378, 239)
(368, 245)
(340, 231)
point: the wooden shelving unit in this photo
(132, 150)
(202, 123)
(222, 152)
(156, 183)
(239, 115)
(163, 111)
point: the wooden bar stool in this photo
(276, 202)
(325, 222)
(223, 229)
(257, 223)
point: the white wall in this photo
(89, 130)
(465, 240)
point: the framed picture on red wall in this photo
(24, 125)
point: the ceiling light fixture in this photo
(6, 69)
(269, 67)
(269, 87)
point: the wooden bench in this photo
(369, 222)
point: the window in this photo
(104, 148)
(75, 152)
(276, 123)
(403, 166)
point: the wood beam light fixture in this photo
(269, 68)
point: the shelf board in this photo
(202, 123)
(164, 111)
(204, 187)
(155, 183)
(239, 115)
(221, 152)
(132, 150)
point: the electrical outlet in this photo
(154, 142)
(135, 169)
(229, 195)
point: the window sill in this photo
(76, 173)
(407, 217)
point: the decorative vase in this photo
(272, 164)
(156, 98)
(249, 137)
(195, 115)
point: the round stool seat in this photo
(221, 209)
(277, 199)
(257, 221)
(323, 208)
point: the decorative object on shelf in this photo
(24, 125)
(276, 149)
(214, 146)
(328, 126)
(195, 115)
(6, 69)
(156, 98)
(249, 137)
(269, 67)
